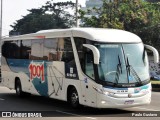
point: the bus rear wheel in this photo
(18, 88)
(74, 98)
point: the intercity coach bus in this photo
(101, 68)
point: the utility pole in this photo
(1, 25)
(77, 24)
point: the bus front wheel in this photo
(74, 98)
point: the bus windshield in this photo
(122, 63)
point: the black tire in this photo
(74, 98)
(18, 88)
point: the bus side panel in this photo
(13, 69)
(56, 78)
(7, 75)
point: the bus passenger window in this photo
(60, 49)
(66, 51)
(25, 49)
(50, 49)
(11, 49)
(37, 50)
(66, 55)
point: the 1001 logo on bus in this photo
(36, 70)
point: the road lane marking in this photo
(75, 115)
(146, 109)
(1, 99)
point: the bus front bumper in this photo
(105, 101)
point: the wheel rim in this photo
(74, 98)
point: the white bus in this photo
(101, 68)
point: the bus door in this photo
(88, 81)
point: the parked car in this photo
(154, 76)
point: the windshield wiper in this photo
(119, 64)
(130, 69)
(119, 70)
(128, 66)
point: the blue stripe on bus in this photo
(21, 65)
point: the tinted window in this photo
(25, 49)
(79, 45)
(85, 56)
(65, 49)
(11, 50)
(58, 49)
(89, 70)
(65, 54)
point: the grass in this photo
(155, 82)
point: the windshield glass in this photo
(122, 63)
(138, 60)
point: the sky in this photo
(14, 10)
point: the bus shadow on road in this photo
(56, 108)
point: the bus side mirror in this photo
(95, 51)
(155, 53)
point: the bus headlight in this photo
(101, 91)
(105, 92)
(103, 102)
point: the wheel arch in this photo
(69, 88)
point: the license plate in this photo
(128, 102)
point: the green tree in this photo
(143, 19)
(63, 18)
(50, 16)
(153, 0)
(137, 16)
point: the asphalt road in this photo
(58, 109)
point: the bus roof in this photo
(95, 34)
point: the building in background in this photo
(90, 4)
(94, 3)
